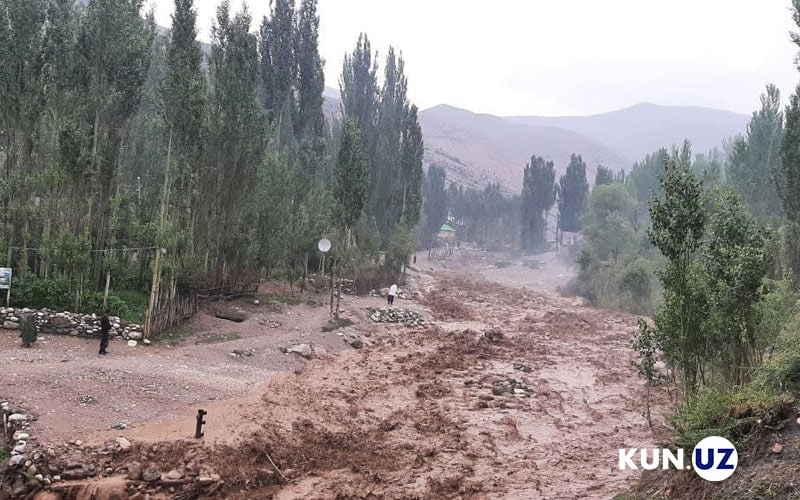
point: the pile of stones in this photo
(67, 323)
(390, 314)
(33, 467)
(25, 471)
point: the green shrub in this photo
(732, 413)
(775, 310)
(38, 293)
(59, 295)
(781, 368)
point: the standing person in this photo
(392, 293)
(28, 329)
(105, 328)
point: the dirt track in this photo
(433, 413)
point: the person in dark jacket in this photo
(105, 329)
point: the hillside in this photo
(478, 149)
(643, 128)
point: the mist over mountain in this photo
(643, 128)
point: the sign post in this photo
(324, 246)
(5, 283)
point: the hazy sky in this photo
(556, 57)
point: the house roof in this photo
(447, 228)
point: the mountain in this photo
(478, 149)
(643, 128)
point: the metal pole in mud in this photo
(198, 431)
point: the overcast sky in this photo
(561, 57)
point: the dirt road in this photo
(511, 394)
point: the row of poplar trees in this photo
(120, 137)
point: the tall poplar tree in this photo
(572, 195)
(538, 196)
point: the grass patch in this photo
(218, 337)
(734, 413)
(174, 336)
(288, 300)
(337, 323)
(5, 454)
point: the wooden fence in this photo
(173, 311)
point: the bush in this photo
(59, 295)
(733, 413)
(781, 369)
(775, 310)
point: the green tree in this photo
(538, 196)
(236, 135)
(678, 225)
(572, 194)
(736, 260)
(603, 176)
(754, 164)
(608, 224)
(310, 121)
(352, 175)
(435, 205)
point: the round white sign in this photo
(324, 245)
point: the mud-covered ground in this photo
(509, 394)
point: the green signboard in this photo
(5, 278)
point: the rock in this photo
(151, 474)
(18, 417)
(10, 325)
(146, 342)
(60, 322)
(175, 474)
(20, 447)
(123, 443)
(135, 335)
(78, 443)
(504, 387)
(132, 343)
(39, 477)
(354, 342)
(524, 368)
(16, 460)
(134, 471)
(204, 479)
(777, 448)
(74, 333)
(21, 436)
(303, 350)
(256, 302)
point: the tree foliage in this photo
(435, 204)
(118, 139)
(754, 164)
(572, 192)
(538, 196)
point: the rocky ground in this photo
(492, 392)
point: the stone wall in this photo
(67, 323)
